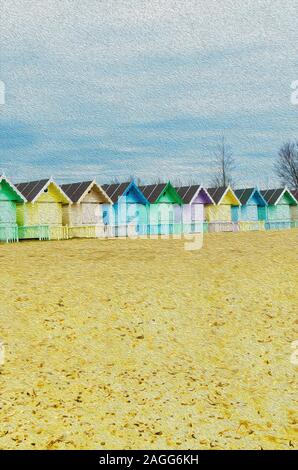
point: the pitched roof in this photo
(272, 196)
(217, 193)
(153, 191)
(77, 191)
(32, 189)
(244, 194)
(187, 193)
(115, 190)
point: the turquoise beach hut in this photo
(165, 208)
(9, 197)
(251, 215)
(279, 203)
(129, 213)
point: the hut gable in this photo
(86, 191)
(224, 196)
(194, 194)
(128, 192)
(250, 196)
(43, 191)
(161, 193)
(274, 197)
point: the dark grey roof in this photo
(31, 189)
(244, 194)
(115, 190)
(187, 192)
(217, 193)
(153, 191)
(271, 196)
(75, 190)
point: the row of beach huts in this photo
(45, 210)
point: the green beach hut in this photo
(9, 197)
(279, 203)
(165, 210)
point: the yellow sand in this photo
(140, 344)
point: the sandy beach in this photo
(140, 344)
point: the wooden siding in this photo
(221, 213)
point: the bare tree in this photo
(287, 164)
(224, 164)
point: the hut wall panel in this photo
(91, 213)
(50, 213)
(280, 212)
(192, 217)
(221, 213)
(294, 212)
(66, 214)
(7, 212)
(94, 196)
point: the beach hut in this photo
(9, 197)
(279, 203)
(294, 209)
(251, 215)
(219, 215)
(129, 213)
(165, 213)
(84, 217)
(41, 216)
(194, 198)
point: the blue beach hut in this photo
(129, 213)
(251, 215)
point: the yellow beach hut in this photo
(84, 217)
(41, 216)
(219, 216)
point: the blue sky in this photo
(115, 88)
